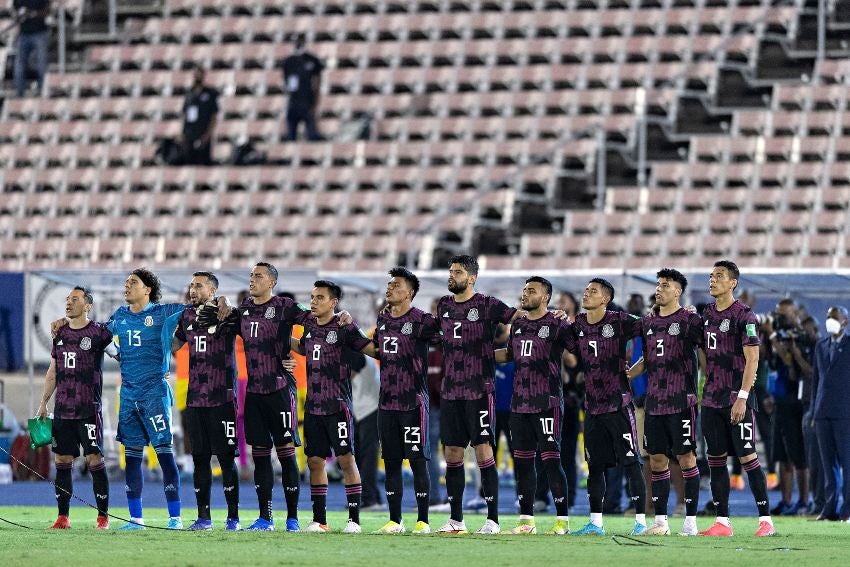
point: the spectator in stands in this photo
(200, 108)
(302, 74)
(831, 412)
(34, 38)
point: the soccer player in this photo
(468, 322)
(328, 422)
(402, 337)
(210, 402)
(731, 345)
(536, 345)
(671, 338)
(610, 434)
(75, 375)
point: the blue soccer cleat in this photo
(261, 525)
(292, 525)
(639, 529)
(129, 526)
(200, 525)
(177, 524)
(232, 525)
(590, 529)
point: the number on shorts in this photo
(390, 345)
(711, 340)
(746, 431)
(456, 330)
(525, 348)
(158, 422)
(686, 427)
(592, 344)
(659, 347)
(254, 329)
(317, 352)
(229, 428)
(286, 416)
(91, 430)
(70, 359)
(548, 424)
(629, 440)
(200, 343)
(342, 429)
(483, 418)
(412, 435)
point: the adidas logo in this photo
(649, 332)
(189, 328)
(581, 333)
(550, 438)
(229, 488)
(518, 332)
(230, 442)
(246, 313)
(307, 336)
(687, 443)
(446, 314)
(485, 432)
(390, 493)
(101, 496)
(287, 434)
(748, 445)
(343, 444)
(94, 443)
(60, 343)
(383, 328)
(170, 488)
(630, 454)
(415, 448)
(197, 490)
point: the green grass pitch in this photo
(800, 542)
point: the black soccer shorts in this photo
(329, 435)
(465, 422)
(671, 434)
(404, 434)
(536, 431)
(212, 431)
(723, 438)
(271, 419)
(71, 434)
(611, 438)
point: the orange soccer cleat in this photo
(61, 523)
(102, 523)
(718, 530)
(766, 529)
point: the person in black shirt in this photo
(302, 73)
(34, 38)
(199, 120)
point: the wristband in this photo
(743, 394)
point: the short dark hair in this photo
(547, 285)
(787, 301)
(272, 270)
(606, 285)
(675, 275)
(209, 275)
(408, 276)
(150, 280)
(731, 266)
(287, 295)
(469, 263)
(87, 296)
(335, 290)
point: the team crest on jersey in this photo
(543, 332)
(85, 343)
(269, 313)
(331, 338)
(673, 330)
(148, 321)
(407, 329)
(724, 325)
(607, 331)
(473, 314)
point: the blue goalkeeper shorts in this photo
(145, 421)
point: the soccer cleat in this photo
(718, 530)
(201, 525)
(772, 481)
(61, 523)
(590, 529)
(292, 525)
(102, 523)
(177, 524)
(316, 528)
(130, 526)
(352, 527)
(391, 528)
(232, 525)
(638, 529)
(261, 525)
(489, 528)
(560, 527)
(766, 529)
(656, 528)
(688, 531)
(525, 527)
(736, 482)
(453, 527)
(421, 528)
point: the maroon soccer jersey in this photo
(402, 343)
(537, 347)
(212, 366)
(328, 370)
(468, 330)
(78, 354)
(266, 329)
(601, 350)
(670, 352)
(726, 333)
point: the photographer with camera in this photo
(788, 343)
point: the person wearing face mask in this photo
(831, 412)
(200, 108)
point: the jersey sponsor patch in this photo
(751, 330)
(85, 343)
(608, 331)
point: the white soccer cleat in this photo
(689, 531)
(316, 528)
(352, 527)
(453, 527)
(489, 528)
(657, 528)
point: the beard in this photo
(459, 287)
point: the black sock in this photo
(758, 485)
(100, 486)
(319, 497)
(63, 487)
(353, 493)
(394, 484)
(490, 487)
(596, 488)
(203, 483)
(660, 491)
(719, 485)
(557, 483)
(230, 484)
(526, 481)
(291, 480)
(637, 487)
(691, 477)
(421, 487)
(263, 480)
(455, 481)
